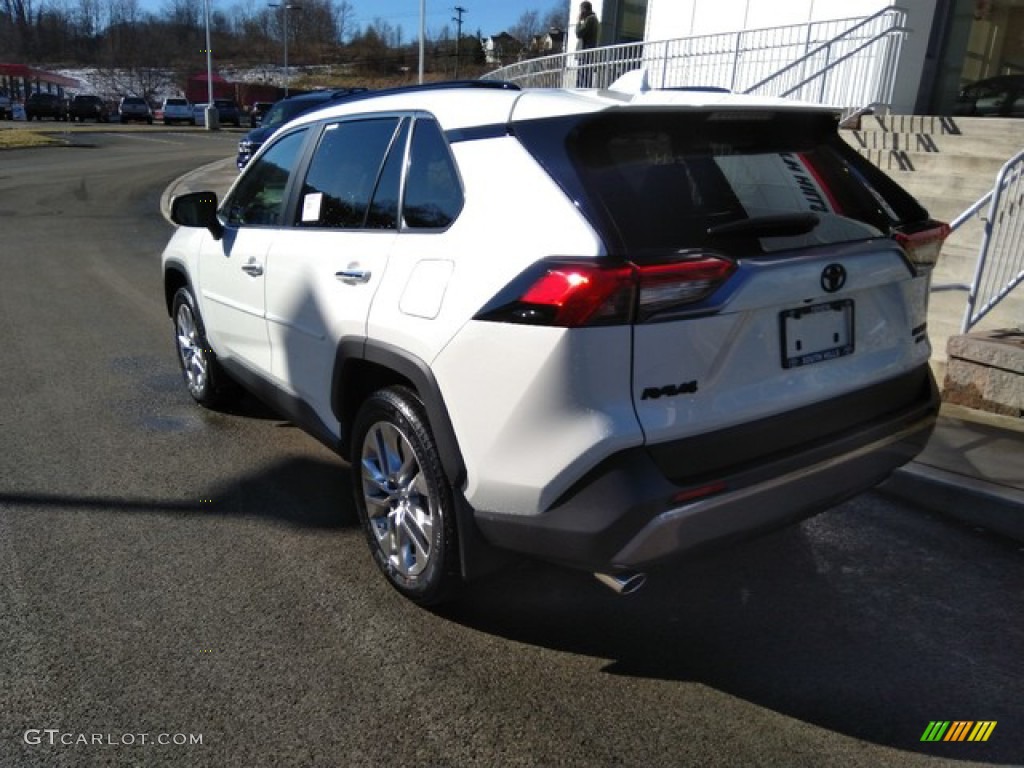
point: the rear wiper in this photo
(782, 225)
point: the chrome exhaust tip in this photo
(623, 582)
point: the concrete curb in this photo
(946, 483)
(975, 502)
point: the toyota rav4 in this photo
(600, 328)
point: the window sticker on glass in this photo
(311, 205)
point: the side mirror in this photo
(197, 209)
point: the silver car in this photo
(135, 108)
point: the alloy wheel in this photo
(193, 356)
(399, 507)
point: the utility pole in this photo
(423, 36)
(458, 35)
(210, 114)
(285, 7)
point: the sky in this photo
(488, 16)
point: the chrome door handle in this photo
(353, 276)
(253, 269)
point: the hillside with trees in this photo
(145, 49)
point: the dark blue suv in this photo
(282, 112)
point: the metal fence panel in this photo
(1001, 259)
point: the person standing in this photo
(587, 27)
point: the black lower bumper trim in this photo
(616, 514)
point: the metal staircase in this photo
(957, 167)
(848, 63)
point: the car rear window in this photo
(744, 183)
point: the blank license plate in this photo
(817, 333)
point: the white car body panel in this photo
(496, 259)
(231, 301)
(538, 408)
(304, 302)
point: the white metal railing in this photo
(1000, 266)
(846, 62)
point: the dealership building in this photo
(946, 43)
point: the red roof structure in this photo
(19, 80)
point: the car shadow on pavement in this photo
(830, 622)
(298, 491)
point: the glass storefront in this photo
(996, 42)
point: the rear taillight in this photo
(665, 287)
(578, 295)
(923, 244)
(573, 294)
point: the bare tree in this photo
(527, 27)
(556, 19)
(19, 14)
(89, 16)
(344, 21)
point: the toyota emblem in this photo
(833, 277)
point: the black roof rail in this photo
(696, 88)
(441, 85)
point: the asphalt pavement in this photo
(972, 468)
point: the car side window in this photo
(344, 174)
(259, 198)
(433, 193)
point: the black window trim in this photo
(314, 132)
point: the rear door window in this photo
(343, 177)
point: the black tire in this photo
(403, 498)
(206, 381)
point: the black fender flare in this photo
(478, 557)
(178, 267)
(346, 390)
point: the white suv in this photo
(178, 110)
(598, 328)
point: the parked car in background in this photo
(135, 109)
(6, 107)
(283, 111)
(680, 318)
(51, 105)
(995, 97)
(89, 107)
(178, 110)
(228, 112)
(259, 109)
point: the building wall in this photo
(667, 19)
(919, 68)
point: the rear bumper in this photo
(627, 514)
